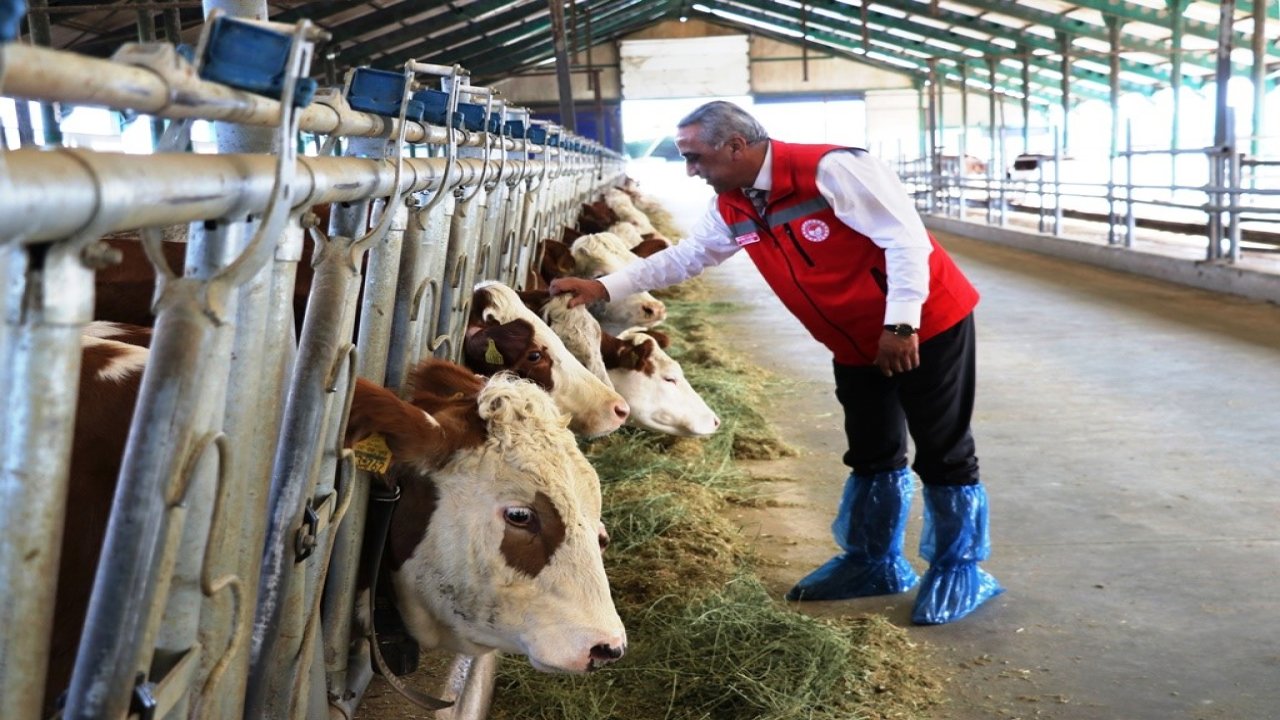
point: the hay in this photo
(706, 640)
(734, 655)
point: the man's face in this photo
(722, 166)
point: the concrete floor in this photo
(1129, 436)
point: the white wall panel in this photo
(679, 68)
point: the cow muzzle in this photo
(604, 654)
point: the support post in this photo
(1064, 40)
(563, 69)
(38, 17)
(1113, 34)
(1176, 26)
(1026, 98)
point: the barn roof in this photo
(494, 39)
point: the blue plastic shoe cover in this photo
(869, 527)
(954, 540)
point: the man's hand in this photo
(898, 354)
(584, 290)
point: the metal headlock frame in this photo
(68, 198)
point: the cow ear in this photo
(661, 338)
(382, 429)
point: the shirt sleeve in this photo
(868, 196)
(707, 245)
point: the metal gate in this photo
(227, 580)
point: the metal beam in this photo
(528, 51)
(427, 30)
(612, 26)
(1056, 22)
(845, 38)
(762, 8)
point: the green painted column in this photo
(1026, 98)
(1259, 73)
(1176, 23)
(1064, 39)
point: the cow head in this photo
(499, 545)
(654, 385)
(603, 253)
(504, 334)
(576, 327)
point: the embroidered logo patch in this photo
(814, 230)
(745, 240)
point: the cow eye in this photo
(518, 516)
(534, 356)
(673, 381)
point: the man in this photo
(833, 232)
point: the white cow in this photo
(503, 334)
(603, 253)
(654, 385)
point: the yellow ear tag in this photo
(491, 354)
(372, 454)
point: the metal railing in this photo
(1238, 192)
(203, 586)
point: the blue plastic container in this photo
(472, 116)
(251, 58)
(435, 106)
(380, 92)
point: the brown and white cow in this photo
(503, 334)
(635, 365)
(576, 327)
(603, 253)
(654, 385)
(499, 546)
(511, 562)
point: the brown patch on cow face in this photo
(628, 355)
(596, 217)
(509, 346)
(649, 246)
(535, 300)
(570, 235)
(533, 534)
(557, 259)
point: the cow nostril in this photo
(605, 652)
(621, 410)
(715, 422)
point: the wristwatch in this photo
(901, 330)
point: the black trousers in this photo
(934, 403)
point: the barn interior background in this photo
(1122, 116)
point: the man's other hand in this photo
(898, 354)
(584, 290)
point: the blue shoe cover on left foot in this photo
(954, 540)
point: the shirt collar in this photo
(764, 181)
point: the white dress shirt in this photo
(863, 192)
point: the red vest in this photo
(831, 277)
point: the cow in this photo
(512, 561)
(576, 327)
(634, 364)
(654, 385)
(503, 334)
(603, 253)
(499, 545)
(664, 223)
